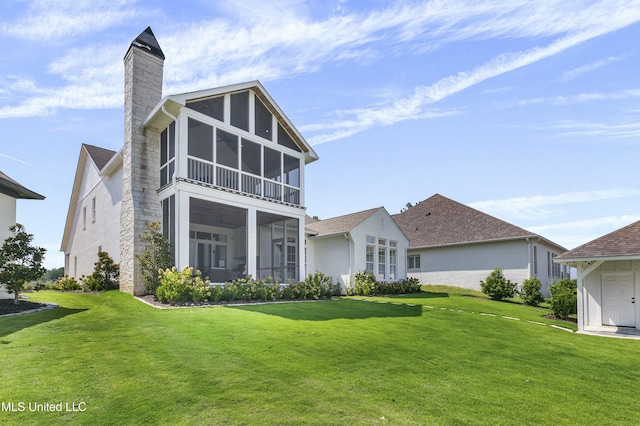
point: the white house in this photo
(93, 223)
(453, 244)
(10, 191)
(222, 169)
(608, 280)
(367, 240)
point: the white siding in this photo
(466, 265)
(592, 292)
(104, 232)
(7, 215)
(332, 256)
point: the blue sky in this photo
(528, 111)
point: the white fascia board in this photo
(595, 259)
(114, 164)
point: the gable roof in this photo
(13, 189)
(622, 242)
(338, 225)
(106, 161)
(440, 221)
(163, 113)
(99, 156)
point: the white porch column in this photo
(301, 250)
(252, 242)
(580, 294)
(580, 298)
(182, 229)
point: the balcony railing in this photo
(224, 177)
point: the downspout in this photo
(347, 235)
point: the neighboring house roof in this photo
(440, 221)
(13, 189)
(337, 225)
(623, 242)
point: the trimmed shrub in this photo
(563, 298)
(325, 283)
(182, 286)
(365, 284)
(405, 286)
(105, 274)
(497, 286)
(530, 292)
(66, 283)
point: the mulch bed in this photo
(7, 306)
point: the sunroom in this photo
(232, 183)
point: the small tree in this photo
(563, 298)
(105, 274)
(530, 292)
(497, 286)
(156, 256)
(20, 262)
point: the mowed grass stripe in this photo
(333, 362)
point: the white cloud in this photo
(629, 129)
(287, 40)
(46, 19)
(575, 233)
(576, 72)
(537, 206)
(582, 97)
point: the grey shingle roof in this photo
(13, 189)
(100, 156)
(337, 225)
(439, 221)
(623, 242)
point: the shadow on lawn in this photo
(12, 324)
(334, 309)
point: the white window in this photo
(414, 262)
(369, 258)
(84, 218)
(535, 260)
(382, 262)
(393, 244)
(371, 240)
(393, 263)
(382, 242)
(93, 210)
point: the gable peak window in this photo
(212, 107)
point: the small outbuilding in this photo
(608, 280)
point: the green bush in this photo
(405, 286)
(156, 256)
(365, 284)
(497, 286)
(563, 298)
(183, 286)
(325, 283)
(530, 292)
(66, 283)
(105, 274)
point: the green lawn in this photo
(342, 361)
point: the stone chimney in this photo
(143, 68)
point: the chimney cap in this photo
(147, 41)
